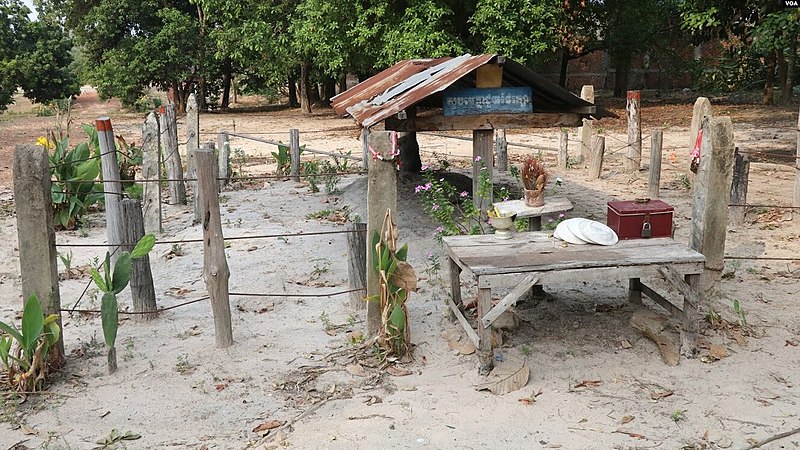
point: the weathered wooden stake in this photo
(563, 156)
(654, 181)
(365, 156)
(142, 290)
(741, 175)
(381, 195)
(710, 196)
(357, 263)
(111, 185)
(294, 149)
(37, 238)
(215, 264)
(585, 132)
(596, 165)
(172, 158)
(501, 150)
(224, 158)
(796, 200)
(633, 161)
(700, 110)
(151, 174)
(482, 163)
(192, 144)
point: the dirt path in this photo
(291, 357)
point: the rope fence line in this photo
(303, 149)
(232, 179)
(206, 297)
(763, 258)
(231, 238)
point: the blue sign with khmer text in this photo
(471, 102)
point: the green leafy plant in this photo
(330, 177)
(74, 170)
(397, 279)
(739, 311)
(283, 158)
(240, 159)
(66, 259)
(678, 415)
(311, 169)
(23, 352)
(112, 282)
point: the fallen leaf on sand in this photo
(589, 383)
(792, 342)
(531, 399)
(220, 386)
(627, 419)
(718, 351)
(398, 371)
(507, 383)
(631, 434)
(660, 395)
(28, 430)
(357, 370)
(625, 344)
(463, 348)
(268, 425)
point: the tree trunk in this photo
(791, 60)
(769, 82)
(226, 83)
(562, 75)
(342, 83)
(179, 97)
(305, 89)
(293, 91)
(621, 76)
(329, 90)
(780, 61)
(314, 95)
(201, 94)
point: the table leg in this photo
(535, 223)
(690, 323)
(455, 282)
(485, 352)
(635, 291)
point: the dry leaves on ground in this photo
(588, 383)
(356, 370)
(268, 425)
(506, 382)
(397, 371)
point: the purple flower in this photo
(505, 199)
(428, 185)
(561, 216)
(430, 254)
(418, 189)
(435, 207)
(424, 167)
(477, 158)
(463, 193)
(439, 229)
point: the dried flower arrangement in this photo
(534, 178)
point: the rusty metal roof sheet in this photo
(411, 82)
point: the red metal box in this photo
(637, 219)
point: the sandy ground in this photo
(289, 362)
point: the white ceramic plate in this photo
(597, 233)
(564, 232)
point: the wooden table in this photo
(528, 259)
(552, 204)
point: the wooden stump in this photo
(598, 149)
(501, 150)
(151, 174)
(585, 131)
(224, 159)
(741, 175)
(633, 160)
(654, 181)
(172, 158)
(111, 185)
(357, 263)
(294, 149)
(563, 156)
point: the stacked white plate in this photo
(584, 231)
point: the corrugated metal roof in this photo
(411, 82)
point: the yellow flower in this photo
(43, 142)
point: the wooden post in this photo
(357, 263)
(37, 238)
(710, 196)
(563, 156)
(741, 175)
(487, 76)
(796, 200)
(294, 148)
(633, 161)
(501, 150)
(654, 181)
(381, 195)
(172, 158)
(151, 175)
(142, 290)
(215, 264)
(585, 132)
(111, 185)
(596, 165)
(224, 158)
(485, 352)
(701, 110)
(365, 156)
(192, 144)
